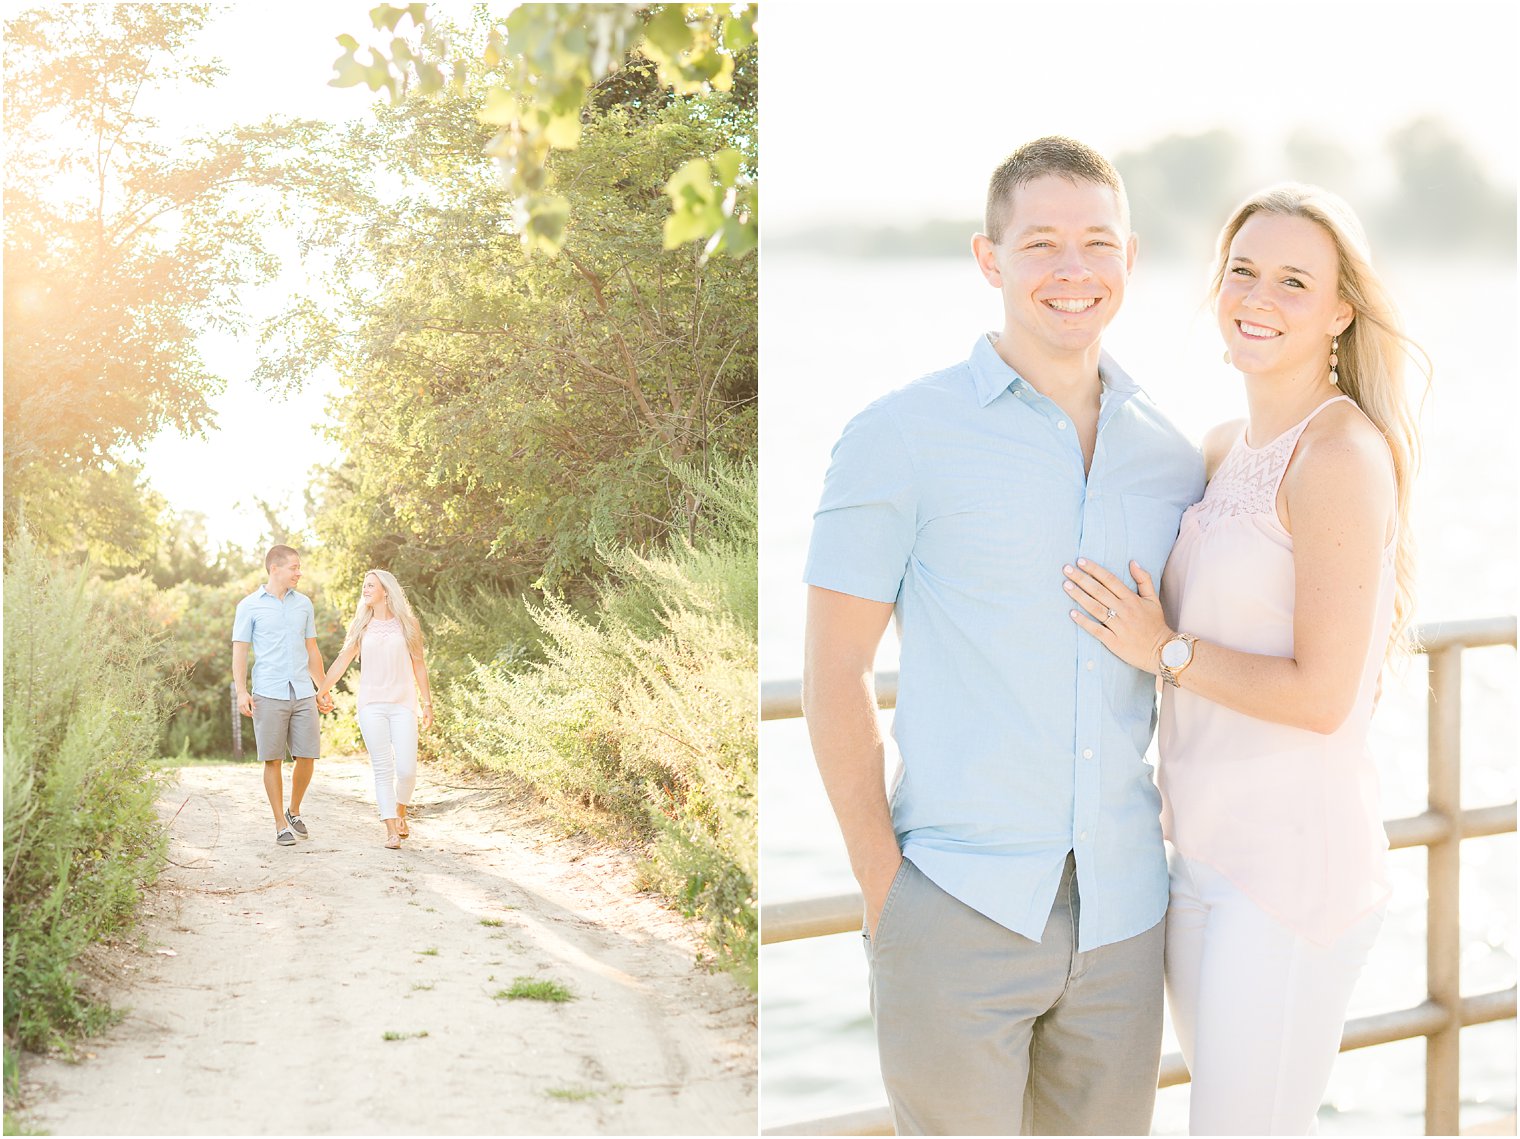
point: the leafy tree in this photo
(1178, 186)
(1310, 156)
(1444, 200)
(504, 414)
(121, 245)
(543, 63)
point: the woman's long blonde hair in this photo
(401, 608)
(1373, 349)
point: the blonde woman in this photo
(1288, 585)
(385, 636)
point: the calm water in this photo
(835, 335)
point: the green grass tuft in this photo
(403, 1035)
(531, 989)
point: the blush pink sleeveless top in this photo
(1291, 817)
(385, 666)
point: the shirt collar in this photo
(992, 375)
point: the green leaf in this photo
(683, 226)
(739, 237)
(668, 31)
(726, 162)
(694, 176)
(348, 44)
(564, 130)
(739, 31)
(350, 72)
(386, 17)
(378, 75)
(545, 228)
(531, 171)
(501, 108)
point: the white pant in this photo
(390, 735)
(1257, 1008)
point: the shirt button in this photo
(1092, 664)
(1082, 837)
(1061, 423)
(1087, 753)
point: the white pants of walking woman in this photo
(1257, 1008)
(390, 737)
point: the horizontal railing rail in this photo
(840, 913)
(1441, 828)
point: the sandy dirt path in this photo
(290, 965)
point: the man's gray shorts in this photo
(286, 727)
(984, 1032)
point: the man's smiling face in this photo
(285, 575)
(1061, 264)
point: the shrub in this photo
(640, 719)
(85, 702)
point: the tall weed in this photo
(642, 713)
(84, 707)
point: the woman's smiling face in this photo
(1279, 301)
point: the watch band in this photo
(1171, 675)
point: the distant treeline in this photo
(1182, 187)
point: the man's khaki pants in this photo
(984, 1032)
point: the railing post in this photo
(1443, 876)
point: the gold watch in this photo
(1176, 655)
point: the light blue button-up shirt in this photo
(959, 498)
(277, 629)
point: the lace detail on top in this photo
(1248, 479)
(383, 629)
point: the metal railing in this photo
(1441, 827)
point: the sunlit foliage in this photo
(542, 65)
(121, 246)
(503, 415)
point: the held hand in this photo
(245, 704)
(324, 702)
(1131, 625)
(876, 890)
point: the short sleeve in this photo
(311, 621)
(867, 518)
(242, 622)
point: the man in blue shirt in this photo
(280, 625)
(1016, 883)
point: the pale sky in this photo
(891, 112)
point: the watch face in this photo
(1175, 653)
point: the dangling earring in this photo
(1226, 355)
(1335, 348)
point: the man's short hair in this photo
(1052, 155)
(278, 556)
